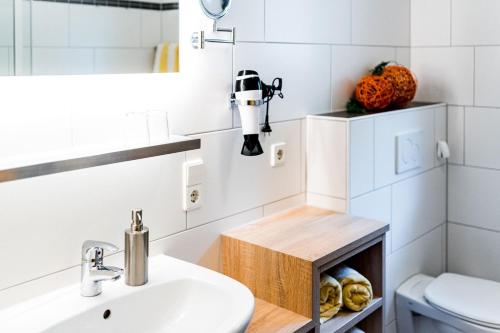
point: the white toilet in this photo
(449, 303)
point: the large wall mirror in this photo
(73, 37)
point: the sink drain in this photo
(106, 314)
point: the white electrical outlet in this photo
(409, 151)
(193, 190)
(193, 196)
(278, 154)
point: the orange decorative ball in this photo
(404, 83)
(374, 92)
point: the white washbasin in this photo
(180, 297)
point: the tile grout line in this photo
(474, 76)
(465, 225)
(464, 128)
(425, 234)
(451, 22)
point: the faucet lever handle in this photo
(91, 246)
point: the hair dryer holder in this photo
(251, 102)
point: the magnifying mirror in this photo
(215, 9)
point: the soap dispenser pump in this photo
(136, 251)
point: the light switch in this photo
(408, 151)
(193, 172)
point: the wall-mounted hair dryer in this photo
(250, 94)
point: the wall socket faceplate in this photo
(278, 154)
(193, 179)
(193, 196)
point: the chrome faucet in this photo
(93, 269)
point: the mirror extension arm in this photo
(198, 39)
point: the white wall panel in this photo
(430, 23)
(487, 63)
(305, 71)
(361, 157)
(33, 133)
(381, 22)
(444, 74)
(233, 182)
(481, 128)
(473, 252)
(475, 22)
(327, 158)
(424, 256)
(375, 205)
(248, 18)
(473, 196)
(456, 118)
(440, 130)
(418, 206)
(298, 21)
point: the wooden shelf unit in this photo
(271, 318)
(280, 258)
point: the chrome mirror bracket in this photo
(198, 39)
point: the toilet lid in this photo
(472, 299)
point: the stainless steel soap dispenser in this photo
(136, 251)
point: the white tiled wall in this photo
(424, 255)
(382, 22)
(234, 183)
(475, 23)
(438, 78)
(430, 22)
(46, 113)
(327, 21)
(456, 56)
(304, 68)
(320, 60)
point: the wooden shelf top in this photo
(309, 233)
(269, 318)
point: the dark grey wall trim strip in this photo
(122, 4)
(85, 162)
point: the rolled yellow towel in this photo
(330, 297)
(357, 291)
